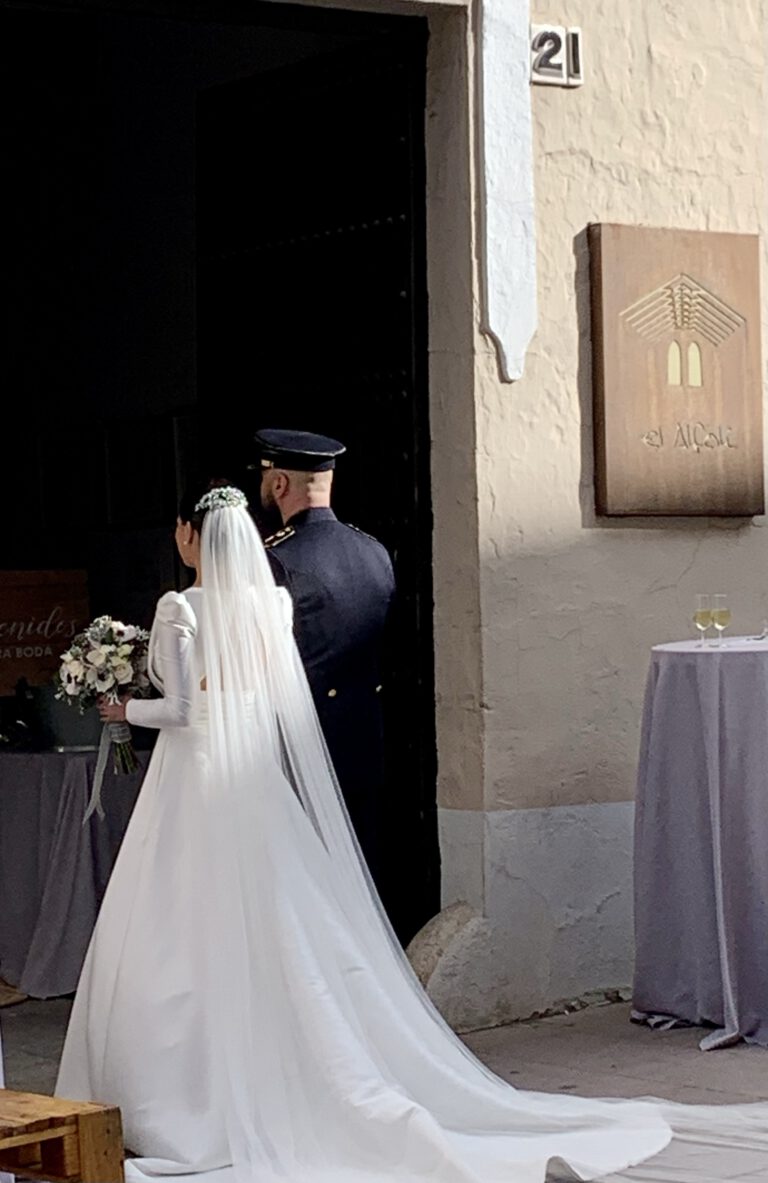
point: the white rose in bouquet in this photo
(123, 671)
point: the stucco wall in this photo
(668, 130)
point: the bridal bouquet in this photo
(108, 659)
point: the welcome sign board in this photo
(40, 612)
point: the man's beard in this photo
(268, 517)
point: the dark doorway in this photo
(312, 314)
(217, 224)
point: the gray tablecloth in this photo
(53, 870)
(701, 841)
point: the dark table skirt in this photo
(54, 869)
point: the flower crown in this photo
(224, 497)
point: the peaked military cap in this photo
(301, 451)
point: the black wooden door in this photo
(312, 315)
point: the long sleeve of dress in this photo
(171, 665)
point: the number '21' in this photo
(556, 55)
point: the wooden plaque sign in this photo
(40, 612)
(677, 372)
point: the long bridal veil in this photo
(333, 1064)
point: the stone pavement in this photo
(598, 1052)
(594, 1052)
(33, 1036)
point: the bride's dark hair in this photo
(192, 495)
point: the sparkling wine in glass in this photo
(721, 616)
(702, 617)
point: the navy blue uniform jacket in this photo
(342, 586)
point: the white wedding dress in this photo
(242, 1001)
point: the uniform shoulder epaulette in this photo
(359, 531)
(280, 536)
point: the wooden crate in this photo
(60, 1141)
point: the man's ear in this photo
(280, 484)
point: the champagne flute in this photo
(721, 616)
(702, 617)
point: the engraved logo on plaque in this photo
(683, 305)
(672, 317)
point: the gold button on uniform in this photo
(331, 693)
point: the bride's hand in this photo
(112, 712)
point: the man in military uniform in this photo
(342, 586)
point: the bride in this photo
(244, 1000)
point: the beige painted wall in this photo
(668, 130)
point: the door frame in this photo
(453, 197)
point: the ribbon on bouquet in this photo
(111, 733)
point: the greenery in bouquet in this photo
(107, 659)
